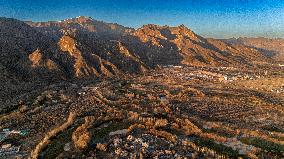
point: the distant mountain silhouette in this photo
(269, 47)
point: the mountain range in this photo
(83, 47)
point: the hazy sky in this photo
(209, 18)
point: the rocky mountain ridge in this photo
(82, 47)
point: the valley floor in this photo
(173, 112)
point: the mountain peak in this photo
(84, 18)
(79, 19)
(181, 28)
(150, 31)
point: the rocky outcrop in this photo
(85, 62)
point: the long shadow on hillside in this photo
(265, 52)
(152, 55)
(226, 54)
(241, 93)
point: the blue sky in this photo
(209, 18)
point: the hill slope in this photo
(164, 45)
(270, 47)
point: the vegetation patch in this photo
(99, 135)
(265, 145)
(57, 144)
(220, 148)
(175, 91)
(273, 128)
(220, 132)
(137, 92)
